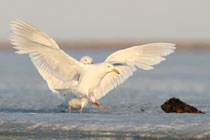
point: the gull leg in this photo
(100, 106)
(96, 100)
(69, 109)
(81, 109)
(96, 103)
(90, 100)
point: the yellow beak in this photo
(115, 70)
(91, 62)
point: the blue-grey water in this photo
(29, 110)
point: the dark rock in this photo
(142, 110)
(175, 105)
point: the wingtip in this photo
(14, 21)
(172, 46)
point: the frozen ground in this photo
(29, 109)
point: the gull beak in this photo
(115, 70)
(91, 62)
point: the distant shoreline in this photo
(181, 46)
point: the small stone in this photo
(175, 105)
(142, 110)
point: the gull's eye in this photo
(108, 66)
(85, 59)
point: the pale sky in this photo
(113, 20)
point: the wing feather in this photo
(143, 56)
(54, 65)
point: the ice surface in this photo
(29, 109)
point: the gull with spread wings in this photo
(83, 80)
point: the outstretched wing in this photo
(126, 61)
(54, 65)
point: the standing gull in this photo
(83, 80)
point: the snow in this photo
(29, 109)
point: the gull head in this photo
(86, 60)
(108, 67)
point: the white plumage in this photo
(83, 80)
